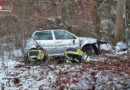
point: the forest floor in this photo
(108, 71)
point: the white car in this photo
(57, 41)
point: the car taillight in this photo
(25, 43)
(45, 52)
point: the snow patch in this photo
(106, 47)
(52, 19)
(120, 52)
(120, 46)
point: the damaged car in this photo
(55, 42)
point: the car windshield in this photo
(46, 35)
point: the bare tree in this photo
(95, 18)
(119, 33)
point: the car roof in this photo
(47, 30)
(51, 30)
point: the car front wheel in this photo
(91, 49)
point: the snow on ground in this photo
(106, 47)
(106, 72)
(67, 76)
(120, 46)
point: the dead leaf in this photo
(16, 80)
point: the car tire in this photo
(91, 49)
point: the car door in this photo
(46, 40)
(64, 40)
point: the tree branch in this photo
(102, 4)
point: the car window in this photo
(46, 35)
(63, 35)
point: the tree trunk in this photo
(95, 18)
(119, 33)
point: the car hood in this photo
(87, 40)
